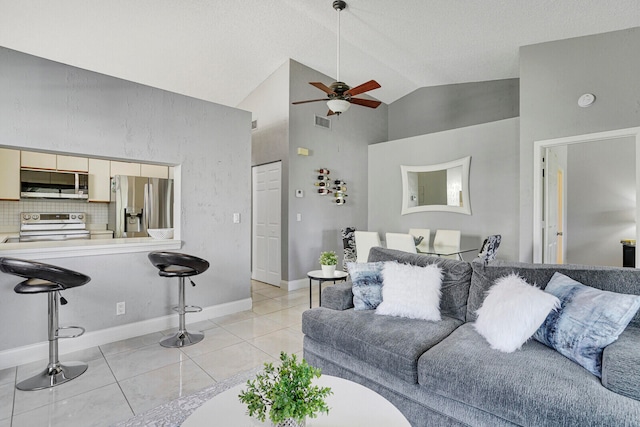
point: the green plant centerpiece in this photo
(328, 258)
(285, 392)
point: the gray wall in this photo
(493, 183)
(269, 105)
(601, 199)
(552, 77)
(50, 106)
(282, 128)
(342, 150)
(438, 108)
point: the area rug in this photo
(173, 413)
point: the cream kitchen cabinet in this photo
(35, 160)
(72, 163)
(99, 180)
(154, 171)
(125, 168)
(9, 174)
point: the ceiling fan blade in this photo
(364, 87)
(311, 100)
(322, 87)
(365, 102)
(330, 113)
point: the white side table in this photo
(321, 278)
(350, 405)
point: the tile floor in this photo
(131, 376)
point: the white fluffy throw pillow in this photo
(411, 291)
(512, 312)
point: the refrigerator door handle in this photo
(146, 210)
(151, 215)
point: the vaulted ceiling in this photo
(221, 50)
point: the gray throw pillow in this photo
(367, 284)
(588, 320)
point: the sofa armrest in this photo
(621, 364)
(338, 296)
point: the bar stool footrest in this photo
(187, 309)
(192, 309)
(82, 331)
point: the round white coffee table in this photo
(321, 278)
(350, 405)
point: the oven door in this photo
(54, 235)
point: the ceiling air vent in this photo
(323, 122)
(254, 124)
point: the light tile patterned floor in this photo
(131, 376)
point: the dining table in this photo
(444, 250)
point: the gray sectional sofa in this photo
(445, 374)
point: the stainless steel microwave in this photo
(53, 185)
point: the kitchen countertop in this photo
(76, 248)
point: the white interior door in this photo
(550, 202)
(266, 223)
(554, 204)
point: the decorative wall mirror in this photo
(443, 187)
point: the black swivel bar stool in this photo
(50, 279)
(174, 264)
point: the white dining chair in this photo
(401, 242)
(365, 240)
(449, 239)
(426, 234)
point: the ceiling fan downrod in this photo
(339, 6)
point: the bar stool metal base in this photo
(182, 339)
(53, 376)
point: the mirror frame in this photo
(465, 162)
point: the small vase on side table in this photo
(328, 270)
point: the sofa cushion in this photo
(588, 321)
(456, 277)
(533, 387)
(621, 364)
(393, 344)
(614, 279)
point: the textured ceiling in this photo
(222, 50)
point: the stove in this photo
(37, 227)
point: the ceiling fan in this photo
(340, 95)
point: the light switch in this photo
(298, 217)
(236, 218)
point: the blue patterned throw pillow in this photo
(588, 320)
(367, 284)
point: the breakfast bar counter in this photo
(79, 248)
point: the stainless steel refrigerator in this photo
(139, 203)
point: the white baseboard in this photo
(294, 284)
(34, 352)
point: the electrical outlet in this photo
(120, 308)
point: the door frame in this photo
(538, 152)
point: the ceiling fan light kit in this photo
(339, 93)
(338, 106)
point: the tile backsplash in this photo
(97, 213)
